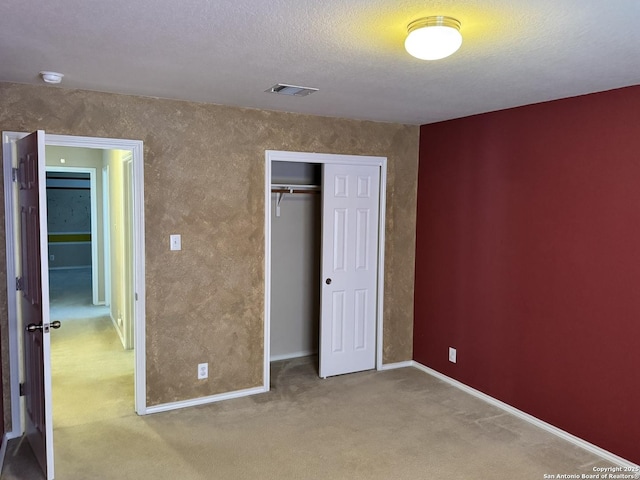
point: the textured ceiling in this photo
(514, 52)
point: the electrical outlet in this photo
(453, 354)
(203, 371)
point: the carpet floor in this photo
(397, 424)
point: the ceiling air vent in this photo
(284, 89)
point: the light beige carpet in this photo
(92, 375)
(399, 424)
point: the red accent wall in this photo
(528, 261)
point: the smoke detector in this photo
(51, 77)
(295, 90)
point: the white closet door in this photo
(350, 203)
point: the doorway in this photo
(377, 165)
(12, 237)
(92, 367)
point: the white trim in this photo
(45, 305)
(15, 366)
(394, 366)
(13, 434)
(116, 327)
(139, 285)
(312, 157)
(127, 178)
(321, 158)
(266, 373)
(382, 222)
(94, 223)
(165, 407)
(579, 442)
(288, 356)
(106, 234)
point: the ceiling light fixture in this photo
(51, 77)
(294, 90)
(433, 38)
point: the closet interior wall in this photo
(295, 261)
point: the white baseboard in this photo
(611, 457)
(165, 407)
(393, 366)
(287, 356)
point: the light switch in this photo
(175, 242)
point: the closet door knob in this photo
(328, 281)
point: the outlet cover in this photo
(453, 355)
(203, 371)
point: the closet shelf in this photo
(290, 188)
(283, 189)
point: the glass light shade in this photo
(51, 77)
(433, 38)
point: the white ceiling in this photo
(229, 52)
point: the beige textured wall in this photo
(204, 178)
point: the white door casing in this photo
(350, 207)
(15, 334)
(325, 159)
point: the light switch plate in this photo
(175, 242)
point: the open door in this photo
(350, 216)
(33, 283)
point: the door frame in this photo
(323, 158)
(106, 234)
(16, 367)
(95, 271)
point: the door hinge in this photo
(14, 174)
(22, 389)
(19, 284)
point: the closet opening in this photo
(295, 259)
(324, 260)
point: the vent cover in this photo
(296, 91)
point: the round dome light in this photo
(51, 77)
(433, 38)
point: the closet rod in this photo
(281, 190)
(292, 190)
